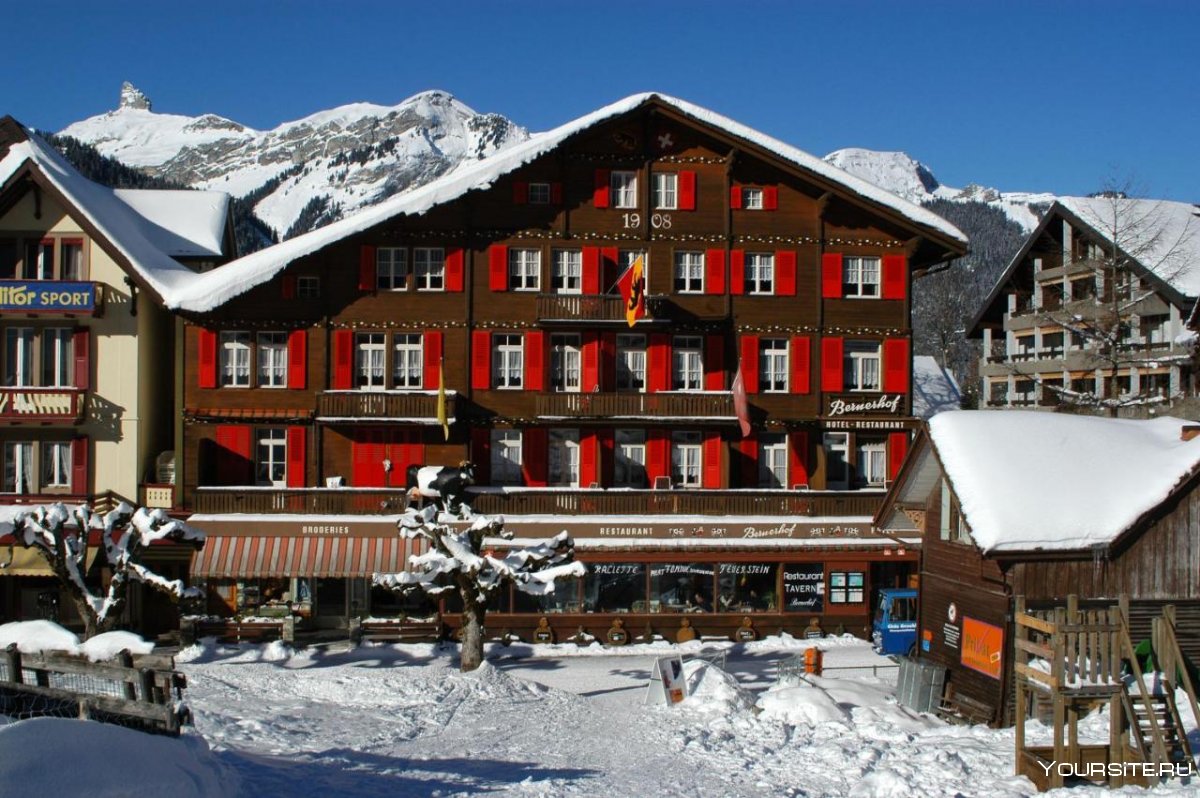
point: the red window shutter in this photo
(658, 456)
(556, 194)
(747, 449)
(608, 361)
(235, 463)
(785, 272)
(520, 192)
(588, 475)
(658, 363)
(737, 272)
(801, 364)
(533, 457)
(343, 360)
(432, 345)
(206, 341)
(297, 438)
(81, 340)
(287, 286)
(79, 465)
(297, 354)
(481, 360)
(591, 270)
(535, 361)
(454, 269)
(714, 363)
(749, 364)
(714, 271)
(605, 438)
(897, 447)
(831, 276)
(832, 369)
(895, 276)
(600, 194)
(711, 468)
(895, 365)
(687, 191)
(797, 458)
(481, 454)
(498, 267)
(591, 362)
(366, 268)
(770, 198)
(608, 268)
(735, 196)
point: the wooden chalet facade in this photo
(968, 591)
(310, 390)
(88, 389)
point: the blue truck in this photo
(894, 630)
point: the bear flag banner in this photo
(632, 285)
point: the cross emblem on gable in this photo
(665, 141)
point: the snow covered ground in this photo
(535, 720)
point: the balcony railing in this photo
(382, 405)
(714, 405)
(589, 307)
(41, 405)
(367, 501)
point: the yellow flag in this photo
(632, 286)
(441, 404)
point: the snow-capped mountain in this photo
(900, 174)
(312, 170)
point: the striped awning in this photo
(240, 556)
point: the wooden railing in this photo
(382, 405)
(548, 502)
(662, 406)
(41, 404)
(588, 307)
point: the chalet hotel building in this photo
(311, 374)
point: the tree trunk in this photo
(472, 631)
(91, 626)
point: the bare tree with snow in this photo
(465, 562)
(60, 535)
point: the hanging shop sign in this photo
(50, 296)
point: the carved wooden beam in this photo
(823, 204)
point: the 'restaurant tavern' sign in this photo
(46, 295)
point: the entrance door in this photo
(331, 604)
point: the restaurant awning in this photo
(244, 556)
(27, 562)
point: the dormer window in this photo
(539, 193)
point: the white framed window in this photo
(624, 189)
(687, 363)
(272, 360)
(56, 464)
(860, 276)
(862, 365)
(235, 359)
(686, 459)
(18, 467)
(71, 265)
(563, 458)
(772, 461)
(752, 198)
(370, 354)
(39, 260)
(524, 269)
(629, 461)
(408, 360)
(837, 460)
(391, 268)
(871, 463)
(58, 369)
(506, 457)
(689, 272)
(429, 268)
(627, 257)
(666, 191)
(565, 360)
(508, 361)
(539, 193)
(270, 459)
(631, 363)
(308, 287)
(568, 271)
(773, 365)
(18, 356)
(760, 272)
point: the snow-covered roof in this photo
(139, 239)
(181, 223)
(217, 287)
(1029, 480)
(1163, 236)
(934, 388)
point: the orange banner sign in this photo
(982, 645)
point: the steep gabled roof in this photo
(140, 238)
(233, 279)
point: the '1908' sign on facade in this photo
(52, 296)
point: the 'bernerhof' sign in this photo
(47, 295)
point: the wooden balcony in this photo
(368, 501)
(41, 405)
(572, 308)
(684, 406)
(382, 405)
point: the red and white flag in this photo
(741, 405)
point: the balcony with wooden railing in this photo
(574, 308)
(533, 501)
(41, 405)
(382, 405)
(663, 406)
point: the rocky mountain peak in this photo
(132, 97)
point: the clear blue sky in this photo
(1054, 96)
